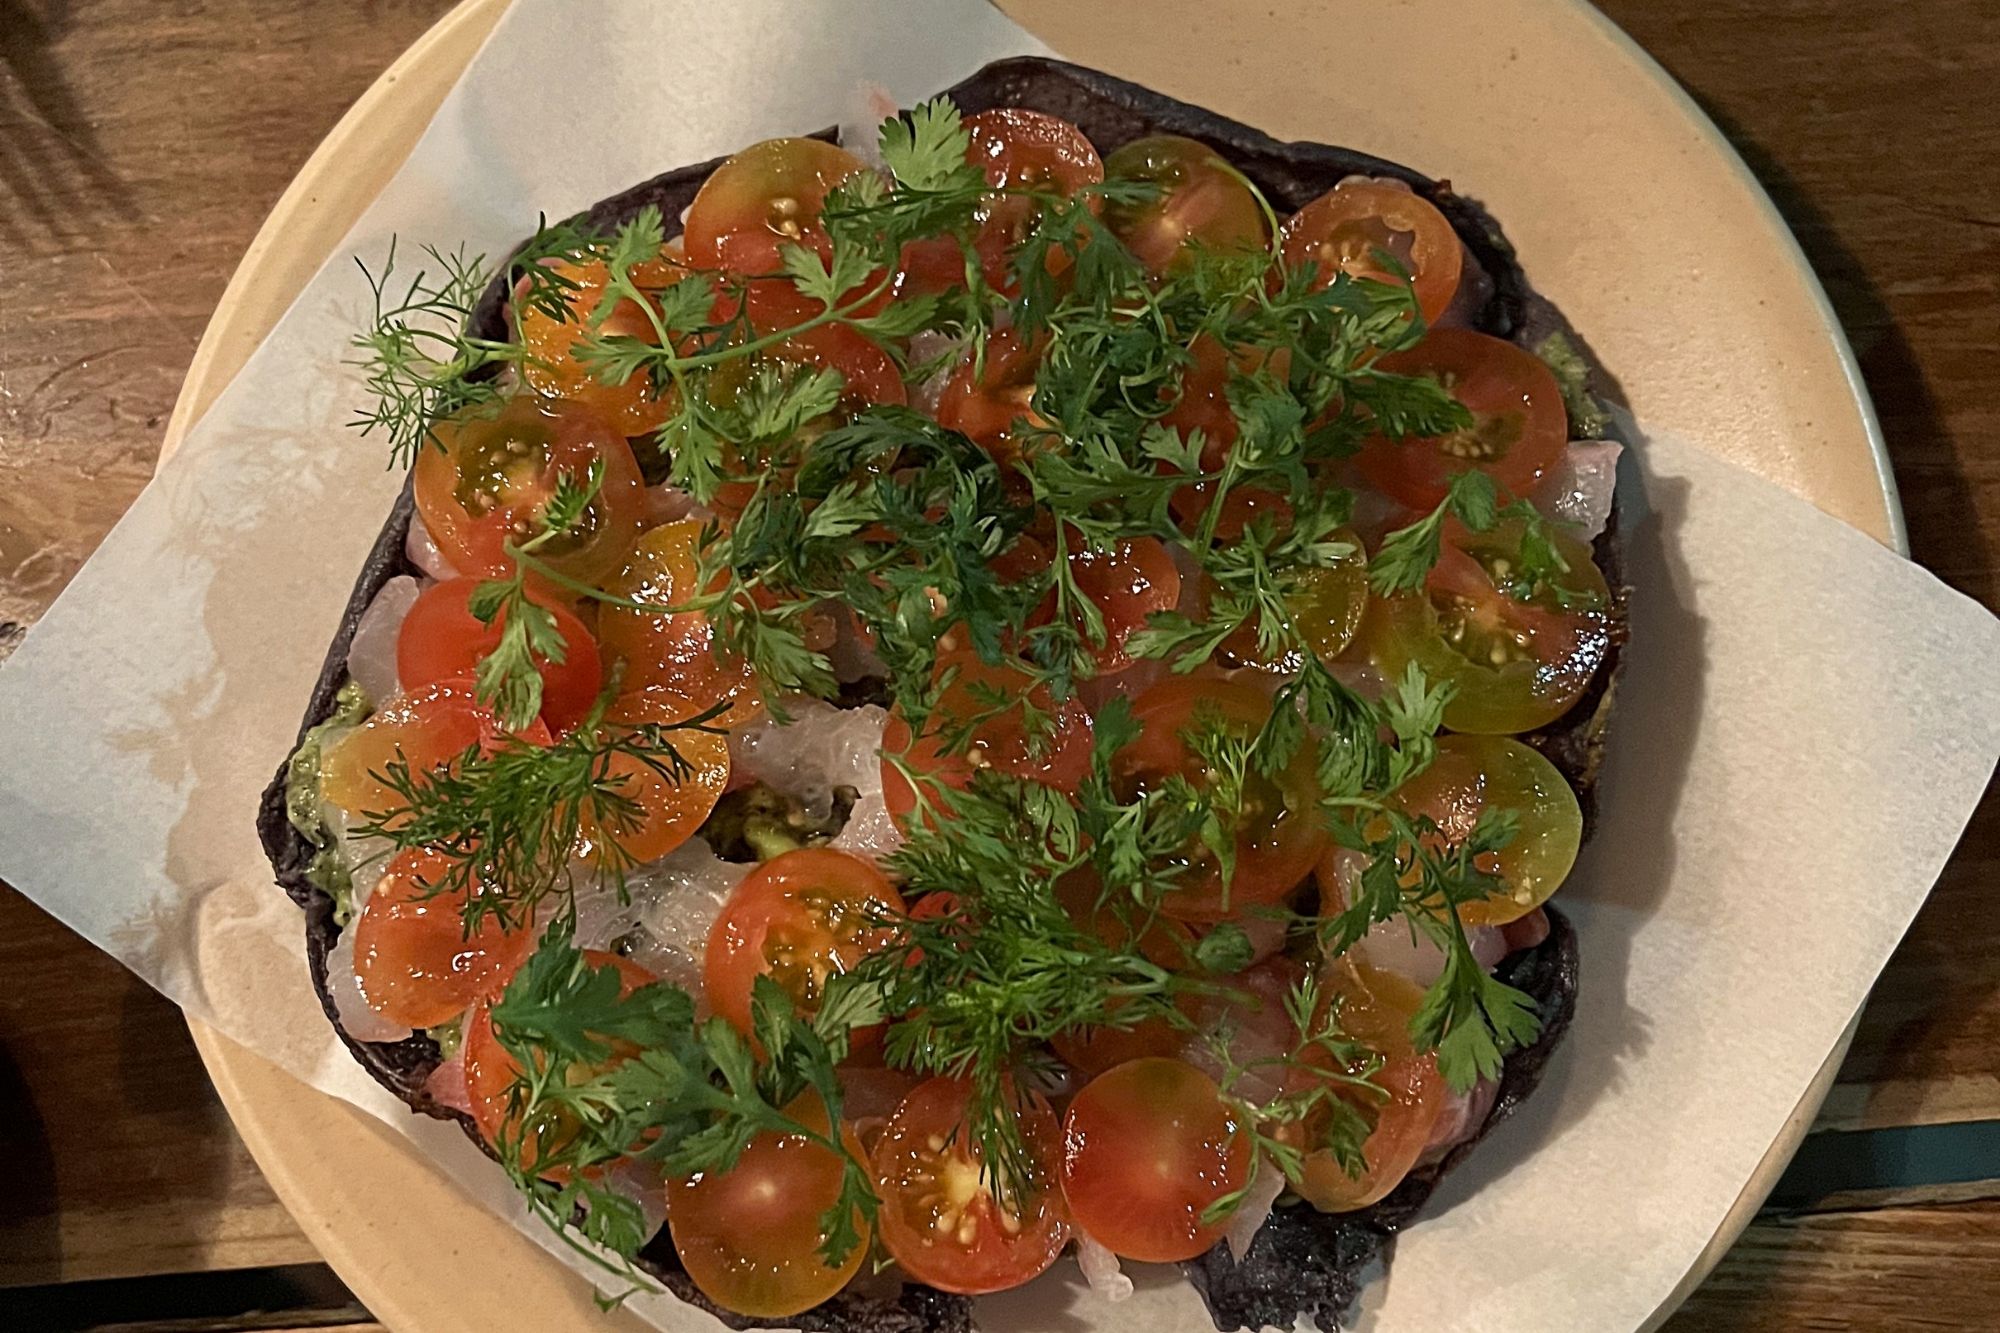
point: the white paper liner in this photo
(1805, 724)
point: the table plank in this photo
(132, 187)
(1860, 122)
(1893, 1268)
(140, 147)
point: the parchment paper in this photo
(1806, 723)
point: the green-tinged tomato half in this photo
(1516, 663)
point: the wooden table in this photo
(140, 146)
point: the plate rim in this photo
(205, 378)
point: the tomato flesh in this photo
(442, 639)
(1147, 1148)
(553, 368)
(491, 1070)
(1375, 1009)
(1516, 665)
(1129, 583)
(1327, 608)
(1000, 739)
(750, 1236)
(416, 962)
(1203, 201)
(800, 919)
(428, 730)
(485, 480)
(1280, 835)
(987, 395)
(1519, 424)
(672, 670)
(1471, 773)
(1340, 231)
(765, 197)
(941, 1217)
(670, 804)
(1163, 942)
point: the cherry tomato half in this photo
(1519, 425)
(553, 370)
(441, 638)
(750, 1236)
(1327, 607)
(799, 919)
(941, 1217)
(1018, 149)
(996, 697)
(1147, 1148)
(1023, 150)
(1340, 231)
(763, 198)
(1280, 834)
(672, 670)
(1202, 201)
(1516, 665)
(1469, 774)
(987, 394)
(668, 801)
(485, 480)
(1375, 1009)
(1128, 583)
(490, 1071)
(427, 730)
(416, 962)
(1161, 941)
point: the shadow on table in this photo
(1946, 533)
(28, 1230)
(53, 173)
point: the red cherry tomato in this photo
(1163, 942)
(999, 740)
(986, 396)
(483, 481)
(750, 1236)
(490, 1072)
(1340, 231)
(764, 197)
(1017, 149)
(1147, 1148)
(1515, 664)
(1375, 1009)
(1280, 834)
(1519, 425)
(428, 730)
(441, 638)
(1132, 581)
(1203, 404)
(868, 376)
(671, 667)
(1023, 150)
(799, 919)
(1202, 201)
(415, 961)
(553, 370)
(941, 1218)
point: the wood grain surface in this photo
(141, 143)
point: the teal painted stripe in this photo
(1842, 1162)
